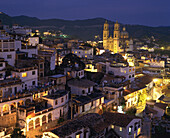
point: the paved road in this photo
(146, 133)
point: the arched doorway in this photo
(31, 125)
(5, 108)
(27, 102)
(37, 122)
(44, 119)
(49, 117)
(13, 106)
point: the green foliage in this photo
(60, 120)
(70, 60)
(123, 102)
(131, 111)
(17, 133)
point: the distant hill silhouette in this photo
(85, 29)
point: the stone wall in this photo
(8, 120)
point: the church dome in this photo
(124, 33)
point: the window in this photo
(120, 129)
(100, 101)
(24, 74)
(1, 75)
(59, 81)
(41, 66)
(133, 69)
(62, 99)
(83, 108)
(91, 103)
(66, 97)
(125, 71)
(129, 70)
(77, 135)
(33, 82)
(56, 102)
(130, 129)
(9, 56)
(83, 91)
(133, 75)
(41, 75)
(0, 93)
(75, 51)
(129, 76)
(1, 64)
(85, 56)
(33, 72)
(112, 126)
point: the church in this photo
(120, 41)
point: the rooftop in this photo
(89, 120)
(56, 95)
(118, 119)
(86, 99)
(57, 76)
(83, 83)
(161, 105)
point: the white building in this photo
(81, 87)
(83, 52)
(7, 50)
(28, 75)
(2, 68)
(121, 69)
(21, 30)
(124, 125)
(33, 41)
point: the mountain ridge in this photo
(86, 29)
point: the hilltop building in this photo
(120, 41)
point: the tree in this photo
(17, 133)
(131, 111)
(70, 60)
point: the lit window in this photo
(75, 51)
(125, 71)
(112, 126)
(120, 128)
(85, 55)
(78, 136)
(130, 129)
(24, 74)
(85, 52)
(129, 70)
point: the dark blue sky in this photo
(145, 12)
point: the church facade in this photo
(120, 41)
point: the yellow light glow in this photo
(148, 98)
(139, 130)
(155, 80)
(24, 74)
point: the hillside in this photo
(85, 29)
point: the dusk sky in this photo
(144, 12)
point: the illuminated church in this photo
(120, 41)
